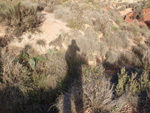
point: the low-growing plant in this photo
(146, 59)
(130, 58)
(147, 105)
(112, 57)
(12, 71)
(20, 16)
(115, 28)
(95, 91)
(134, 28)
(29, 83)
(41, 42)
(117, 40)
(133, 83)
(75, 23)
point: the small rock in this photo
(57, 48)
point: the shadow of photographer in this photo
(74, 62)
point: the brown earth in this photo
(145, 21)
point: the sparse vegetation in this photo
(96, 93)
(75, 23)
(20, 16)
(55, 82)
(41, 42)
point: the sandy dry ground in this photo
(126, 11)
(50, 30)
(2, 31)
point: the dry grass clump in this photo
(134, 32)
(20, 16)
(146, 59)
(41, 42)
(96, 93)
(12, 71)
(71, 13)
(117, 40)
(77, 13)
(56, 64)
(135, 29)
(136, 56)
(13, 80)
(112, 57)
(62, 13)
(30, 83)
(103, 49)
(115, 16)
(103, 24)
(101, 19)
(130, 59)
(145, 32)
(139, 50)
(51, 65)
(91, 34)
(75, 23)
(49, 5)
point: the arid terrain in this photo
(74, 56)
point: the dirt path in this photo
(50, 30)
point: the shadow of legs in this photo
(74, 74)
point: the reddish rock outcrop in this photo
(145, 21)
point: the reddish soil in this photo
(146, 20)
(107, 8)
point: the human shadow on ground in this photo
(74, 73)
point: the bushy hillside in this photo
(97, 63)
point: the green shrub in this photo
(134, 83)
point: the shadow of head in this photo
(71, 53)
(74, 45)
